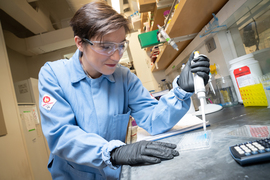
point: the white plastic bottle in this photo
(249, 69)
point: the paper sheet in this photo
(187, 123)
(29, 120)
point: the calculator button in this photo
(254, 152)
(261, 150)
(261, 147)
(267, 149)
(258, 145)
(254, 149)
(247, 154)
(241, 152)
(247, 150)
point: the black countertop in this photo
(213, 163)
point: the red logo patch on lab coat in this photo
(48, 102)
(46, 99)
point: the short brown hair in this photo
(97, 19)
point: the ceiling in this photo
(28, 20)
(59, 12)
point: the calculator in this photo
(251, 152)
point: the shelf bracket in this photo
(214, 25)
(184, 38)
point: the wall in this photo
(36, 62)
(18, 65)
(237, 41)
(14, 158)
(221, 55)
(140, 61)
(23, 67)
(173, 75)
(216, 56)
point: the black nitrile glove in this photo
(200, 66)
(143, 152)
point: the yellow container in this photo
(253, 95)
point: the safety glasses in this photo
(107, 48)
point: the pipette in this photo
(167, 38)
(199, 88)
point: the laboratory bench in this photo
(215, 162)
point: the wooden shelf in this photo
(170, 54)
(144, 17)
(189, 18)
(158, 20)
(146, 5)
(158, 17)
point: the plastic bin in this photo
(253, 95)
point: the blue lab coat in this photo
(83, 119)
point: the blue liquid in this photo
(198, 140)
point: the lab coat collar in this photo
(77, 73)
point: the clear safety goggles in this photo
(107, 48)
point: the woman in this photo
(85, 103)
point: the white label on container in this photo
(246, 80)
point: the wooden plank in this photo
(3, 129)
(170, 55)
(146, 5)
(159, 17)
(144, 17)
(192, 15)
(189, 17)
(158, 20)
